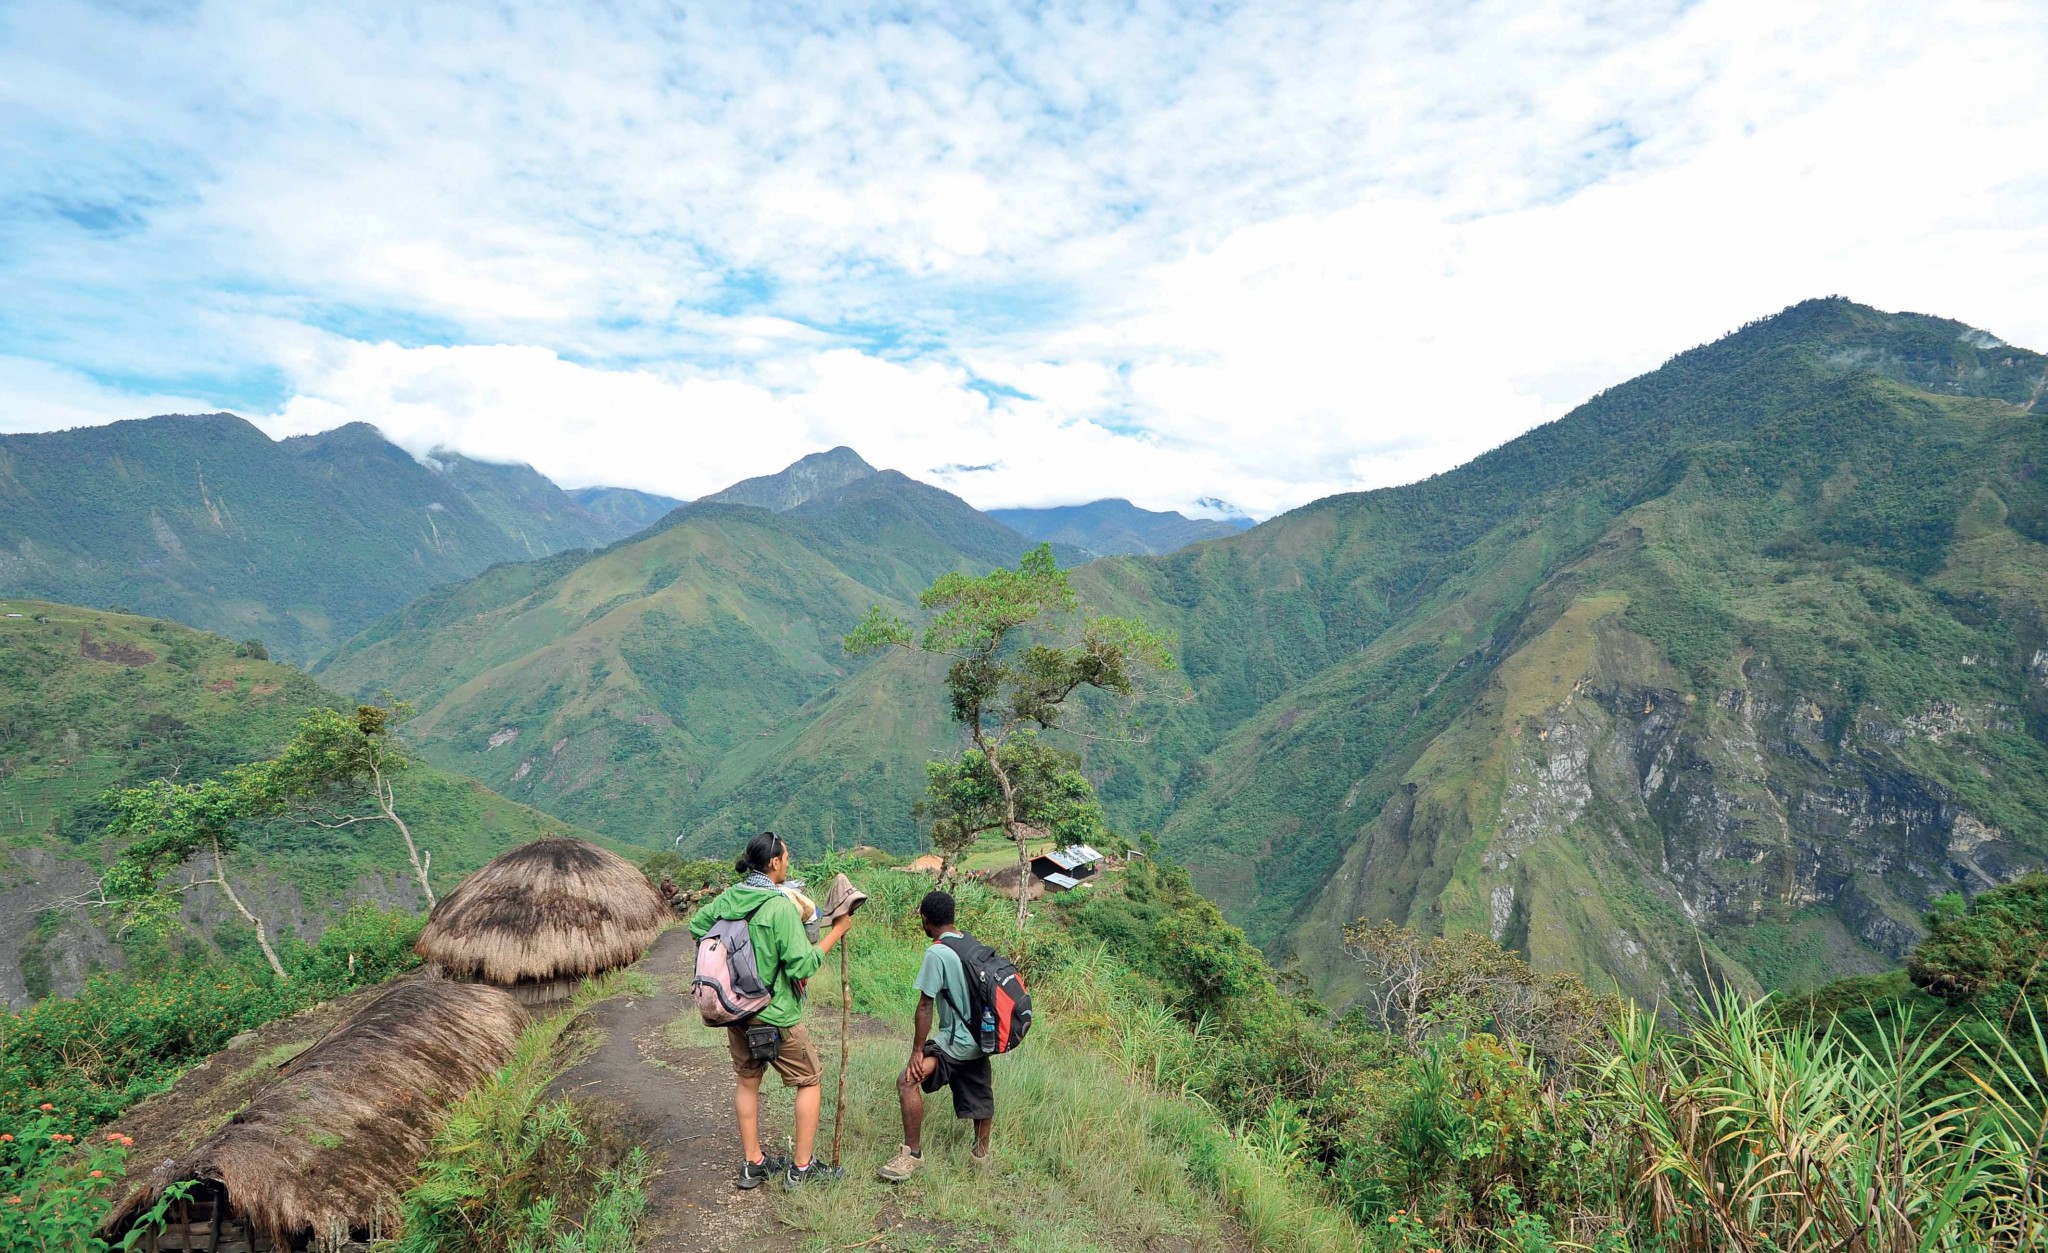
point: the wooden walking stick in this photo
(845, 1020)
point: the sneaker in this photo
(902, 1166)
(980, 1161)
(816, 1172)
(753, 1174)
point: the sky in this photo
(1036, 254)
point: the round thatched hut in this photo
(318, 1159)
(543, 917)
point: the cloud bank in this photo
(1259, 253)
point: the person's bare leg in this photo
(808, 1100)
(746, 1103)
(911, 1097)
(982, 1127)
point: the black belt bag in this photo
(764, 1042)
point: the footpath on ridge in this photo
(675, 1100)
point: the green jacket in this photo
(782, 950)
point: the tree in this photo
(332, 756)
(962, 799)
(1421, 986)
(175, 823)
(1994, 948)
(1016, 659)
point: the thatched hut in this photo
(543, 917)
(320, 1156)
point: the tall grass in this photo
(1757, 1135)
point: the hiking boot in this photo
(816, 1172)
(753, 1174)
(900, 1167)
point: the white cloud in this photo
(1262, 252)
(37, 396)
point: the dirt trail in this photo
(677, 1103)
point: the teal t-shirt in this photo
(944, 979)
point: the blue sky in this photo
(1250, 252)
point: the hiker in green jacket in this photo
(786, 958)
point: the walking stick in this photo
(845, 1020)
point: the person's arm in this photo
(920, 1028)
(833, 936)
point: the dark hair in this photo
(937, 908)
(761, 850)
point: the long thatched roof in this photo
(552, 909)
(330, 1144)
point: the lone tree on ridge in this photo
(1015, 661)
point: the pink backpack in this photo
(728, 984)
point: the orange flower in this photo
(6, 1139)
(46, 1107)
(96, 1174)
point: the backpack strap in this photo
(966, 1016)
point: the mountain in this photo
(92, 700)
(1116, 527)
(1734, 669)
(301, 542)
(819, 474)
(623, 509)
(1730, 671)
(689, 681)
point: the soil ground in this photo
(676, 1102)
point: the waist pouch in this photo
(764, 1042)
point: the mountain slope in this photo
(301, 542)
(1111, 528)
(91, 700)
(624, 510)
(689, 680)
(1746, 645)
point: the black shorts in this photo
(973, 1083)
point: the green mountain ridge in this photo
(302, 542)
(624, 509)
(689, 681)
(1738, 659)
(92, 700)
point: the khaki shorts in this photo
(798, 1064)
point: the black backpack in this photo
(998, 1010)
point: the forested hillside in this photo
(1743, 657)
(91, 700)
(301, 542)
(690, 682)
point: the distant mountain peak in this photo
(1116, 527)
(806, 479)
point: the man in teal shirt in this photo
(785, 957)
(950, 1059)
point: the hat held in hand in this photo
(841, 899)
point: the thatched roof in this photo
(553, 909)
(328, 1146)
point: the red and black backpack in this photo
(994, 986)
